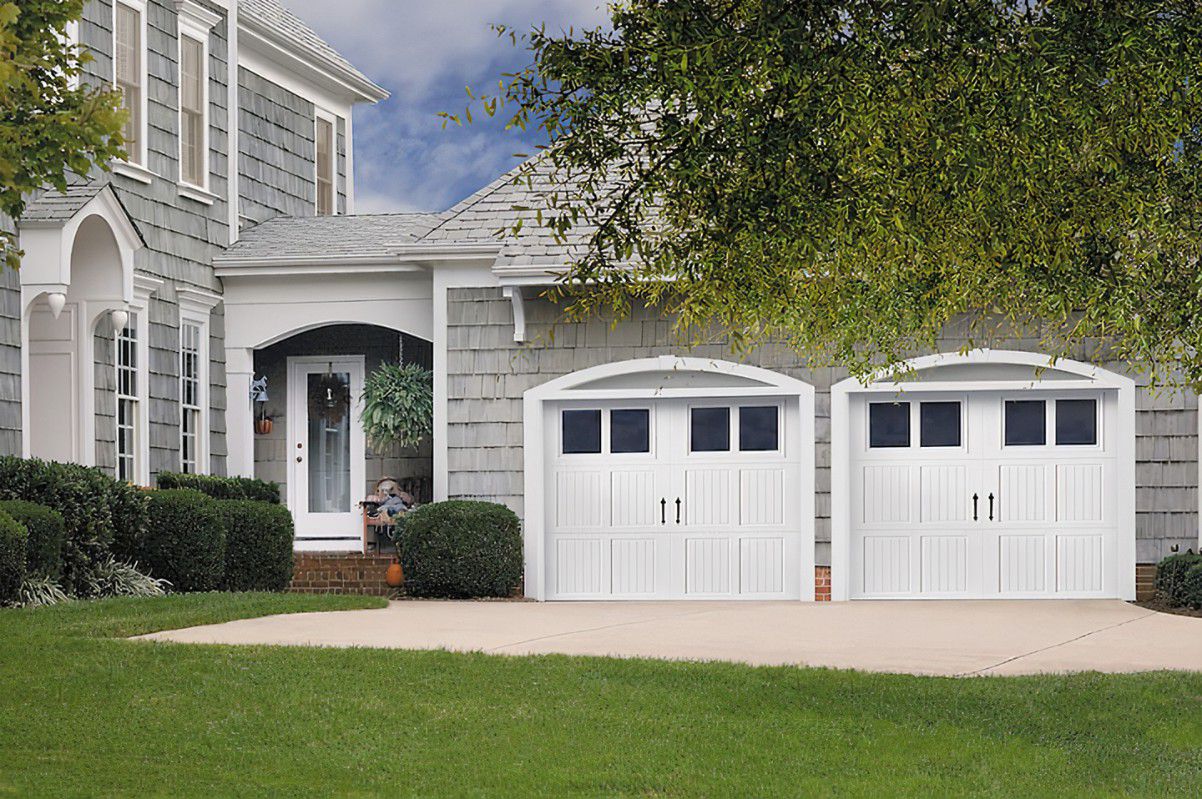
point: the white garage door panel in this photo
(988, 513)
(668, 522)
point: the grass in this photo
(82, 714)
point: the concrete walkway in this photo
(946, 638)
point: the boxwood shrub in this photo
(185, 540)
(258, 545)
(45, 529)
(223, 487)
(460, 549)
(101, 515)
(1179, 580)
(12, 559)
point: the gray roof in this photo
(320, 236)
(271, 16)
(57, 206)
(490, 214)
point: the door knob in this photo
(299, 459)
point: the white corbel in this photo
(514, 293)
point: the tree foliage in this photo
(51, 122)
(854, 175)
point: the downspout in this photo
(233, 116)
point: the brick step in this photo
(340, 573)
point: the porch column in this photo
(239, 416)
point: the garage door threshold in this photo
(951, 638)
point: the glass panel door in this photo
(329, 401)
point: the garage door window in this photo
(1076, 422)
(1026, 423)
(939, 424)
(888, 424)
(759, 428)
(709, 429)
(630, 430)
(582, 432)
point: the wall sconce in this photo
(120, 319)
(56, 301)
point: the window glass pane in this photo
(128, 72)
(758, 428)
(889, 424)
(709, 429)
(1077, 421)
(329, 444)
(325, 167)
(630, 430)
(581, 432)
(1026, 423)
(939, 424)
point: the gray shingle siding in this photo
(487, 374)
(96, 34)
(10, 363)
(276, 150)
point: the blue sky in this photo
(425, 52)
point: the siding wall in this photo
(10, 363)
(487, 373)
(181, 235)
(276, 150)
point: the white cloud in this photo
(425, 52)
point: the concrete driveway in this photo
(943, 638)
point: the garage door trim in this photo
(664, 377)
(1048, 375)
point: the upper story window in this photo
(193, 105)
(129, 50)
(325, 165)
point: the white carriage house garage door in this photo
(988, 493)
(676, 498)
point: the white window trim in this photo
(195, 307)
(195, 23)
(328, 116)
(135, 167)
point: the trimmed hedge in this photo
(223, 487)
(101, 515)
(12, 559)
(46, 531)
(258, 545)
(185, 540)
(461, 549)
(1179, 580)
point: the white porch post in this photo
(239, 416)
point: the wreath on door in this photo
(329, 398)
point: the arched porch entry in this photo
(987, 474)
(78, 291)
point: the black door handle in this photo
(678, 510)
(663, 511)
(975, 498)
(991, 507)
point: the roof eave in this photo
(269, 43)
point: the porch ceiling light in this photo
(120, 319)
(56, 301)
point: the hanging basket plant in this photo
(329, 398)
(398, 406)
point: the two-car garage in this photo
(983, 475)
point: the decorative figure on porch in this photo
(393, 501)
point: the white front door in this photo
(326, 455)
(661, 499)
(984, 494)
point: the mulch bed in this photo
(1162, 607)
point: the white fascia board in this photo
(333, 265)
(261, 50)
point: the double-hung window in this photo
(326, 159)
(129, 50)
(193, 127)
(128, 405)
(190, 397)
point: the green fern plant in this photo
(398, 406)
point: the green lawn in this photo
(84, 715)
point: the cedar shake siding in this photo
(487, 374)
(276, 151)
